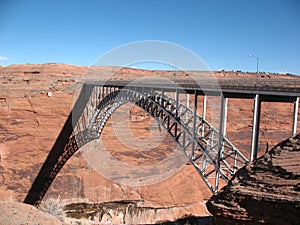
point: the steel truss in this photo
(196, 136)
(212, 157)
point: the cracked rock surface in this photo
(264, 192)
(36, 99)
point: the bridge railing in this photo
(274, 85)
(244, 84)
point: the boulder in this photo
(14, 213)
(266, 191)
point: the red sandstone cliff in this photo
(35, 101)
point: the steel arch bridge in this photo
(207, 148)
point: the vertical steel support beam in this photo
(204, 107)
(162, 102)
(225, 116)
(295, 117)
(97, 91)
(222, 121)
(89, 105)
(203, 114)
(102, 90)
(187, 105)
(220, 144)
(106, 91)
(98, 96)
(176, 103)
(203, 129)
(255, 128)
(176, 109)
(194, 122)
(162, 97)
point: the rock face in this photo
(14, 213)
(125, 212)
(264, 192)
(35, 101)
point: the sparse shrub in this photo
(54, 206)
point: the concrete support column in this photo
(255, 128)
(222, 120)
(225, 116)
(221, 136)
(187, 100)
(295, 117)
(203, 128)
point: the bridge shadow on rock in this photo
(213, 156)
(65, 143)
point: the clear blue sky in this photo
(221, 32)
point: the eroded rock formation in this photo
(126, 212)
(14, 213)
(35, 101)
(264, 192)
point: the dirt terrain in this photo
(35, 101)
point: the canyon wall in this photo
(35, 101)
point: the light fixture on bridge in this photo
(257, 62)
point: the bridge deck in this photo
(277, 90)
(208, 149)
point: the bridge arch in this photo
(172, 115)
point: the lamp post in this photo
(257, 61)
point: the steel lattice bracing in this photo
(201, 147)
(208, 150)
(178, 120)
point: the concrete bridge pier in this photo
(295, 117)
(225, 116)
(222, 128)
(255, 127)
